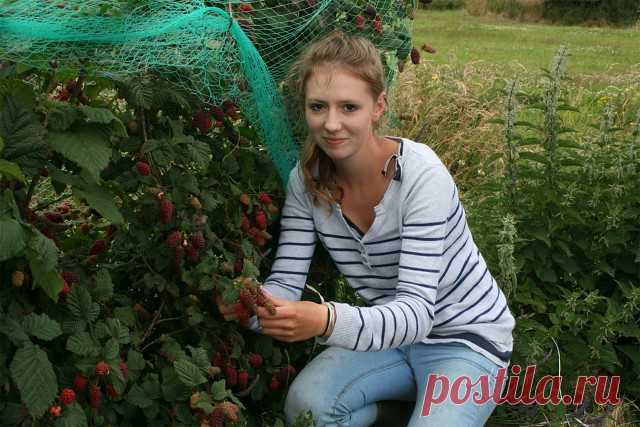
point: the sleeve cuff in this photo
(346, 329)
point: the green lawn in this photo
(496, 40)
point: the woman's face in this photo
(340, 111)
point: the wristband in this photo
(328, 319)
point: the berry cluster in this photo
(182, 246)
(256, 229)
(371, 13)
(82, 384)
(203, 120)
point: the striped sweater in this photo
(417, 267)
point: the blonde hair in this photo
(358, 56)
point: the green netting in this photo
(217, 51)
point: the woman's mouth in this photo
(335, 141)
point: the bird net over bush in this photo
(217, 51)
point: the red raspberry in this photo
(265, 198)
(197, 240)
(55, 411)
(255, 360)
(70, 277)
(259, 240)
(111, 391)
(202, 121)
(231, 374)
(415, 56)
(54, 216)
(166, 211)
(65, 289)
(67, 396)
(98, 247)
(246, 7)
(243, 379)
(360, 22)
(102, 369)
(178, 255)
(246, 298)
(228, 105)
(95, 397)
(80, 383)
(261, 219)
(124, 368)
(192, 253)
(287, 372)
(243, 314)
(275, 383)
(217, 113)
(216, 419)
(143, 168)
(245, 225)
(218, 360)
(174, 239)
(64, 208)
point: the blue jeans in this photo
(341, 387)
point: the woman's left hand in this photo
(294, 320)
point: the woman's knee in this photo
(301, 398)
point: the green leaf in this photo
(102, 201)
(72, 416)
(12, 239)
(41, 326)
(88, 147)
(199, 356)
(126, 315)
(219, 390)
(97, 115)
(135, 361)
(104, 287)
(111, 351)
(33, 374)
(138, 397)
(82, 344)
(14, 331)
(1, 144)
(43, 251)
(188, 373)
(81, 305)
(10, 170)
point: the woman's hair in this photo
(354, 54)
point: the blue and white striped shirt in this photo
(417, 267)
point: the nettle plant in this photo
(564, 221)
(123, 213)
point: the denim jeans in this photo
(341, 387)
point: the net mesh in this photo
(217, 51)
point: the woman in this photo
(387, 211)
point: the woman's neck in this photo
(362, 171)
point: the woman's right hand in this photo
(227, 311)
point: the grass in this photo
(458, 36)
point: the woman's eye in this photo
(350, 107)
(315, 107)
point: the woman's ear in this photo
(380, 106)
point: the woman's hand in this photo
(294, 320)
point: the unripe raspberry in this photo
(80, 383)
(230, 410)
(243, 379)
(166, 211)
(98, 246)
(231, 374)
(245, 199)
(174, 239)
(197, 240)
(195, 203)
(275, 382)
(67, 396)
(65, 289)
(143, 168)
(55, 411)
(261, 219)
(17, 278)
(124, 369)
(102, 369)
(255, 360)
(95, 397)
(216, 419)
(265, 198)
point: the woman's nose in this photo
(332, 121)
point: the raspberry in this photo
(166, 211)
(64, 208)
(265, 198)
(174, 239)
(230, 410)
(246, 298)
(67, 396)
(70, 277)
(370, 11)
(197, 240)
(428, 48)
(98, 247)
(55, 411)
(255, 360)
(143, 168)
(54, 216)
(243, 379)
(243, 314)
(275, 383)
(216, 419)
(218, 360)
(111, 391)
(259, 240)
(178, 254)
(195, 203)
(287, 372)
(360, 22)
(102, 369)
(202, 121)
(65, 289)
(377, 25)
(17, 278)
(245, 225)
(124, 368)
(238, 266)
(415, 56)
(63, 95)
(261, 219)
(231, 374)
(80, 383)
(246, 7)
(228, 105)
(192, 253)
(95, 397)
(217, 112)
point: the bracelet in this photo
(328, 319)
(333, 319)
